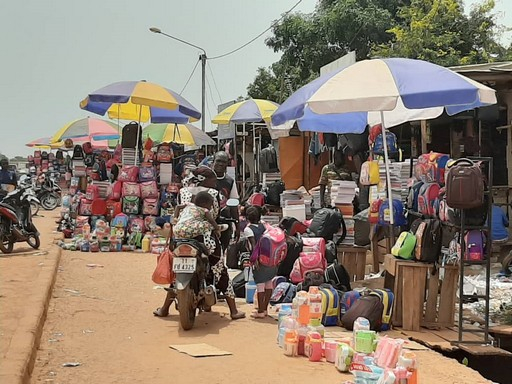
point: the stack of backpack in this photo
(376, 305)
(422, 242)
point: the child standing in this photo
(263, 274)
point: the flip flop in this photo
(157, 313)
(238, 315)
(259, 315)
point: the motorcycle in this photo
(26, 182)
(191, 267)
(49, 194)
(16, 220)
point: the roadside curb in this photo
(19, 362)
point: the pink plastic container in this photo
(330, 351)
(313, 346)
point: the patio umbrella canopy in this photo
(247, 111)
(396, 86)
(185, 134)
(87, 127)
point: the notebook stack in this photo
(129, 157)
(342, 197)
(405, 177)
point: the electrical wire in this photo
(192, 74)
(214, 82)
(257, 37)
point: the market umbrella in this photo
(247, 111)
(43, 142)
(87, 127)
(135, 112)
(185, 134)
(141, 93)
(392, 88)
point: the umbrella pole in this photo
(386, 165)
(243, 161)
(255, 166)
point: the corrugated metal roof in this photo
(503, 66)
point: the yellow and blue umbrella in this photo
(90, 127)
(137, 93)
(247, 111)
(185, 134)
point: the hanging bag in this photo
(163, 273)
(369, 173)
(464, 185)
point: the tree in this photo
(438, 31)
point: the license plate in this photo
(184, 264)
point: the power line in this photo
(192, 74)
(214, 82)
(257, 37)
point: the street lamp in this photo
(202, 57)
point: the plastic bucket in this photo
(250, 290)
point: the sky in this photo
(55, 52)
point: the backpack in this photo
(149, 189)
(120, 220)
(78, 153)
(331, 253)
(313, 244)
(369, 174)
(131, 189)
(348, 299)
(404, 246)
(239, 285)
(370, 307)
(92, 192)
(99, 207)
(307, 262)
(398, 213)
(274, 191)
(378, 146)
(338, 277)
(428, 199)
(115, 190)
(257, 199)
(131, 205)
(475, 245)
(136, 224)
(131, 132)
(271, 248)
(373, 216)
(293, 250)
(428, 239)
(330, 305)
(387, 298)
(311, 279)
(268, 160)
(164, 153)
(464, 185)
(59, 155)
(326, 222)
(283, 293)
(147, 173)
(292, 226)
(150, 207)
(128, 173)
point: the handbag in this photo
(163, 273)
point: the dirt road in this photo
(102, 318)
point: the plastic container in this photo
(330, 351)
(360, 324)
(316, 326)
(388, 351)
(365, 341)
(313, 346)
(291, 343)
(284, 311)
(250, 291)
(146, 244)
(302, 308)
(315, 303)
(302, 332)
(344, 355)
(287, 324)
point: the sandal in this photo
(259, 315)
(157, 312)
(238, 315)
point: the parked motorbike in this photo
(191, 267)
(16, 220)
(49, 194)
(26, 182)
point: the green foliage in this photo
(434, 30)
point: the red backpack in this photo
(307, 262)
(428, 199)
(373, 217)
(271, 248)
(257, 199)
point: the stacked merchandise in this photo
(380, 191)
(342, 197)
(292, 202)
(405, 177)
(44, 162)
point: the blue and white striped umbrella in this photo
(403, 89)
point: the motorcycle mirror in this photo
(232, 202)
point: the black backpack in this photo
(78, 153)
(326, 222)
(338, 277)
(431, 241)
(59, 155)
(90, 159)
(311, 279)
(268, 160)
(369, 307)
(234, 252)
(294, 248)
(331, 253)
(239, 285)
(274, 191)
(130, 133)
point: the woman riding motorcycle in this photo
(205, 179)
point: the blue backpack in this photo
(348, 300)
(398, 213)
(283, 293)
(387, 298)
(330, 305)
(378, 146)
(412, 198)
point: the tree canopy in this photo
(434, 30)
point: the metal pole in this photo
(386, 164)
(203, 91)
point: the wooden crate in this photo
(354, 260)
(422, 299)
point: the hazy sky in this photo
(55, 52)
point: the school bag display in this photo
(464, 185)
(292, 226)
(131, 205)
(257, 199)
(331, 252)
(326, 222)
(307, 262)
(369, 307)
(284, 292)
(398, 213)
(336, 275)
(378, 145)
(475, 245)
(164, 153)
(404, 246)
(330, 305)
(387, 298)
(120, 220)
(271, 248)
(428, 239)
(147, 173)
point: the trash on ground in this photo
(53, 340)
(87, 331)
(95, 266)
(73, 291)
(199, 350)
(72, 364)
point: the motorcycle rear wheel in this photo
(6, 246)
(49, 202)
(34, 241)
(186, 308)
(34, 208)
